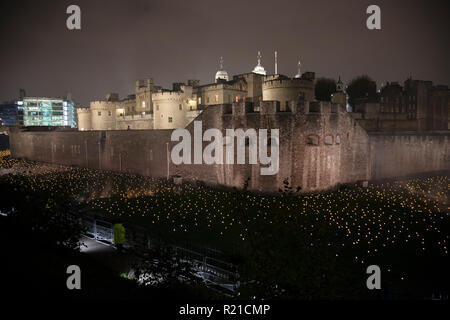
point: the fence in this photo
(205, 261)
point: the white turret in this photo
(259, 69)
(221, 74)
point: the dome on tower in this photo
(221, 74)
(259, 69)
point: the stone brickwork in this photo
(408, 153)
(321, 146)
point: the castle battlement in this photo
(84, 110)
(103, 105)
(135, 117)
(168, 95)
(274, 107)
(287, 83)
(222, 86)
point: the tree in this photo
(324, 89)
(361, 87)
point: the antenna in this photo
(276, 63)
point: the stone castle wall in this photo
(320, 146)
(135, 122)
(408, 153)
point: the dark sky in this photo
(172, 41)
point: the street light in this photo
(167, 148)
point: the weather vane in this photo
(259, 56)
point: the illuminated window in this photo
(199, 100)
(338, 139)
(143, 104)
(217, 98)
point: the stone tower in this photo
(144, 89)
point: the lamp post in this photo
(86, 149)
(99, 162)
(167, 149)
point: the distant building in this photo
(340, 97)
(42, 111)
(417, 106)
(10, 114)
(152, 107)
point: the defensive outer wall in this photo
(321, 146)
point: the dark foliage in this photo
(362, 87)
(324, 89)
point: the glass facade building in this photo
(48, 112)
(9, 114)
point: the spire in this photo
(299, 72)
(221, 63)
(259, 69)
(276, 63)
(339, 85)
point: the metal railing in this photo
(205, 261)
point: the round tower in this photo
(169, 109)
(84, 119)
(103, 115)
(286, 90)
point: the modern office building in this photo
(10, 115)
(41, 111)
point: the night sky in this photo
(172, 41)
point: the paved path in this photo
(107, 255)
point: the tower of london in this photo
(152, 107)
